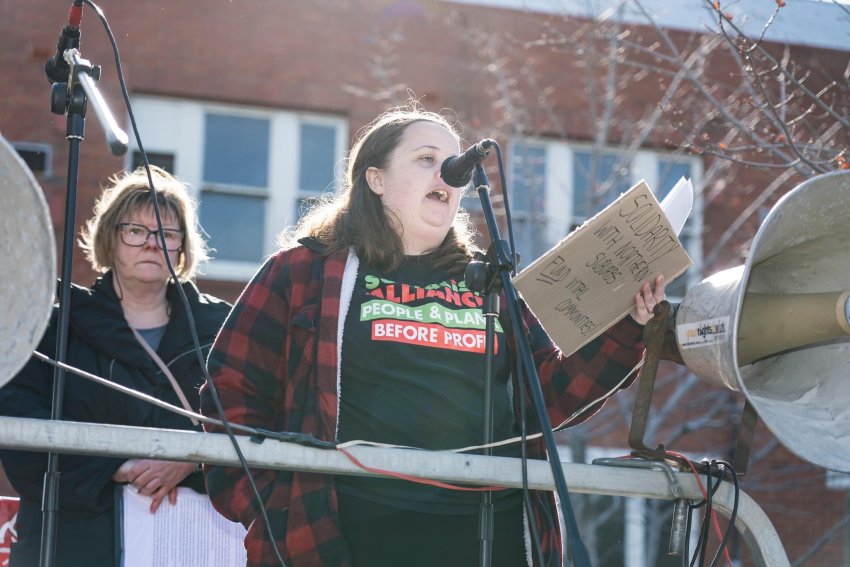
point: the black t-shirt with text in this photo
(412, 374)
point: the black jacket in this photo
(101, 342)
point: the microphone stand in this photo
(480, 277)
(498, 274)
(477, 279)
(70, 98)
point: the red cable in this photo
(714, 521)
(75, 15)
(419, 480)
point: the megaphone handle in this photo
(653, 339)
(749, 417)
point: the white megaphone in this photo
(28, 255)
(777, 328)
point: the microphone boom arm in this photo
(86, 74)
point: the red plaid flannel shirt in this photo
(274, 364)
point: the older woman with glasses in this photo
(130, 327)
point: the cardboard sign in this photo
(588, 281)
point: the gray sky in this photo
(801, 22)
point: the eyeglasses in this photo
(137, 235)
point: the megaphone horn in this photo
(28, 255)
(778, 327)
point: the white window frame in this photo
(176, 126)
(340, 151)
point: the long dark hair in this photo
(355, 216)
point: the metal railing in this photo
(116, 440)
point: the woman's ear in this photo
(375, 179)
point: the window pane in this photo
(658, 521)
(528, 199)
(36, 156)
(669, 173)
(527, 239)
(162, 160)
(471, 201)
(303, 206)
(596, 184)
(236, 150)
(236, 225)
(318, 154)
(602, 527)
(603, 524)
(528, 185)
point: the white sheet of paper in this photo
(188, 534)
(678, 203)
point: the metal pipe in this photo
(139, 442)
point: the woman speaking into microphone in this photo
(361, 327)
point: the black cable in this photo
(523, 427)
(709, 510)
(717, 483)
(179, 287)
(257, 434)
(727, 468)
(504, 184)
(686, 551)
(688, 525)
(526, 494)
(702, 542)
(532, 520)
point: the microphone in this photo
(456, 171)
(56, 67)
